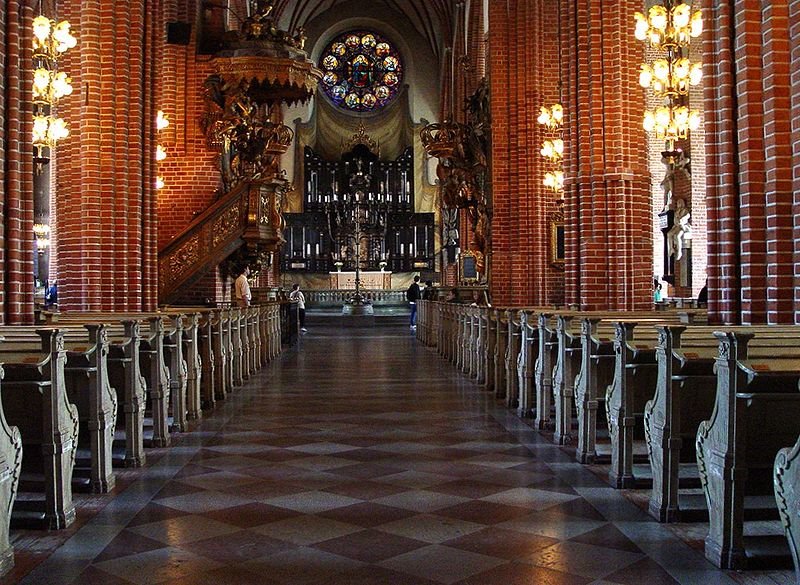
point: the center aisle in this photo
(360, 457)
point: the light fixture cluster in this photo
(161, 154)
(669, 28)
(671, 23)
(50, 41)
(552, 150)
(41, 232)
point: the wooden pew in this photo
(567, 366)
(480, 329)
(87, 384)
(526, 361)
(513, 347)
(152, 362)
(209, 373)
(500, 348)
(546, 353)
(734, 453)
(10, 469)
(787, 497)
(598, 356)
(488, 314)
(35, 401)
(685, 391)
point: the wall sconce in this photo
(161, 153)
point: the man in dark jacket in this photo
(412, 296)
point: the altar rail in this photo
(323, 298)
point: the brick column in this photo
(749, 114)
(500, 39)
(523, 66)
(608, 211)
(794, 35)
(105, 201)
(16, 164)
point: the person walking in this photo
(243, 295)
(297, 296)
(412, 296)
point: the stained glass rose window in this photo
(361, 71)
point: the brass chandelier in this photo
(552, 119)
(50, 40)
(669, 28)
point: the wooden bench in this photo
(489, 315)
(10, 469)
(596, 373)
(734, 453)
(513, 347)
(787, 497)
(153, 363)
(500, 348)
(684, 395)
(87, 384)
(35, 401)
(566, 368)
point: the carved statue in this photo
(462, 150)
(680, 231)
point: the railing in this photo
(321, 298)
(245, 214)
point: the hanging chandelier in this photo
(50, 40)
(669, 29)
(552, 119)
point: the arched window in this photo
(362, 71)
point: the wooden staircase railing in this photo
(248, 214)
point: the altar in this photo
(369, 280)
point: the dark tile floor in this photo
(362, 458)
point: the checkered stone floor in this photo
(361, 458)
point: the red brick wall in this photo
(16, 167)
(191, 174)
(752, 243)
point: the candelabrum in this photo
(351, 218)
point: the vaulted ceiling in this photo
(432, 18)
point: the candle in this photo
(402, 249)
(317, 250)
(308, 249)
